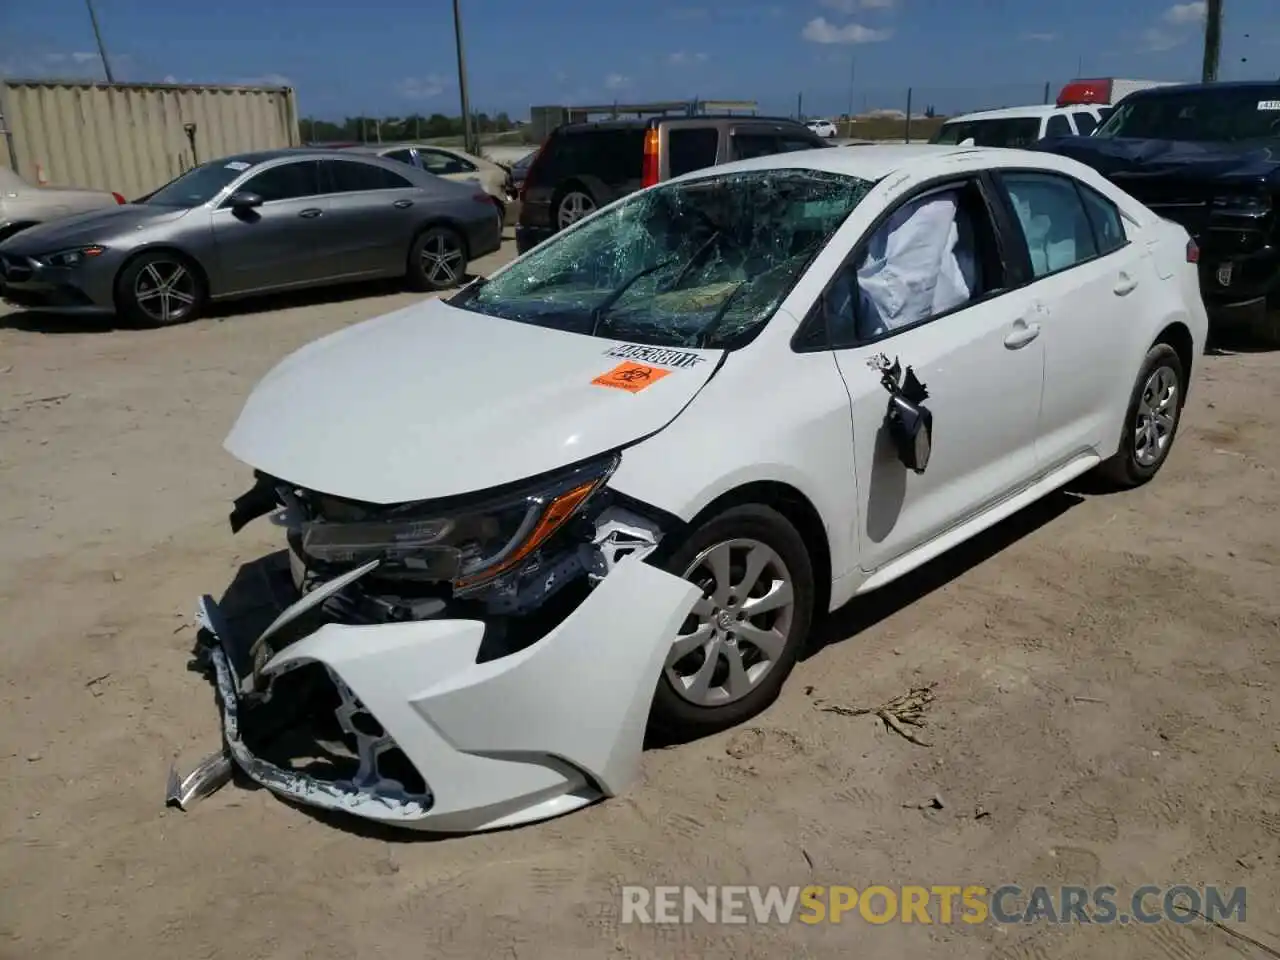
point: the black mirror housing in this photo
(244, 200)
(911, 426)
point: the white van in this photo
(1021, 126)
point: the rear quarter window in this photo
(1057, 126)
(691, 148)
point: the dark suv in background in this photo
(1206, 156)
(583, 166)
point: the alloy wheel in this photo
(574, 207)
(165, 291)
(1157, 416)
(739, 629)
(442, 260)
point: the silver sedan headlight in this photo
(468, 544)
(73, 257)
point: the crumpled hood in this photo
(433, 401)
(1120, 156)
(96, 226)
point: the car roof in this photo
(1260, 87)
(1007, 113)
(877, 162)
(641, 123)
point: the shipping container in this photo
(133, 138)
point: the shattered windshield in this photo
(700, 262)
(1205, 115)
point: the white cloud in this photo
(681, 58)
(1040, 37)
(422, 88)
(852, 6)
(85, 57)
(616, 81)
(1181, 13)
(1156, 40)
(821, 30)
(169, 78)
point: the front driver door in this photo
(280, 243)
(929, 288)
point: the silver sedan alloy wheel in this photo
(738, 630)
(1157, 416)
(573, 207)
(165, 291)
(442, 260)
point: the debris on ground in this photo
(896, 714)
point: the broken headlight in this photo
(465, 542)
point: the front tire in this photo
(1151, 419)
(159, 290)
(735, 650)
(437, 260)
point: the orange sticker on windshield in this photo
(631, 377)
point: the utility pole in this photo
(467, 138)
(853, 73)
(1212, 40)
(97, 34)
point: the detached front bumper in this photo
(527, 736)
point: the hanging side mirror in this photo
(911, 426)
(909, 421)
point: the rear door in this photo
(370, 221)
(276, 244)
(1088, 275)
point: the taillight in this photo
(119, 199)
(1193, 252)
(649, 173)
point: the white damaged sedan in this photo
(612, 487)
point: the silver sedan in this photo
(250, 224)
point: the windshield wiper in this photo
(703, 336)
(598, 313)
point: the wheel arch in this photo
(1178, 336)
(201, 272)
(443, 221)
(799, 511)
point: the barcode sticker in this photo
(1269, 104)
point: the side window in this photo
(748, 145)
(1085, 124)
(289, 181)
(934, 254)
(444, 164)
(615, 156)
(352, 176)
(1053, 221)
(1108, 227)
(691, 148)
(403, 156)
(1057, 126)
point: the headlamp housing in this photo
(468, 542)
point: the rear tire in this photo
(572, 202)
(160, 289)
(437, 260)
(1151, 420)
(735, 651)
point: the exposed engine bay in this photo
(459, 590)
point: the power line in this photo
(97, 35)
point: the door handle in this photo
(1125, 284)
(403, 204)
(311, 213)
(1022, 334)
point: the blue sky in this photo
(392, 57)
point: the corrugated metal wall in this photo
(130, 137)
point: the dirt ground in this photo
(1105, 670)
